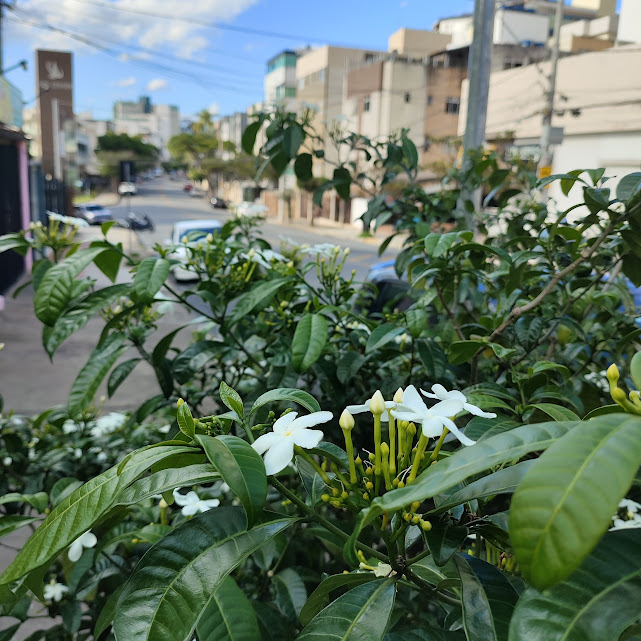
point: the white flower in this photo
(102, 457)
(7, 461)
(289, 431)
(55, 591)
(434, 419)
(86, 540)
(383, 570)
(442, 394)
(192, 504)
(69, 426)
(67, 220)
(165, 428)
(620, 524)
(322, 249)
(365, 407)
(107, 424)
(630, 506)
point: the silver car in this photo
(93, 213)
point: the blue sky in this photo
(184, 61)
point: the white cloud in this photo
(110, 27)
(156, 84)
(213, 109)
(403, 5)
(127, 82)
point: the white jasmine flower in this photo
(442, 394)
(289, 431)
(108, 424)
(7, 461)
(401, 339)
(165, 428)
(69, 427)
(68, 220)
(55, 591)
(86, 540)
(192, 504)
(263, 257)
(365, 407)
(432, 419)
(630, 506)
(322, 249)
(620, 524)
(77, 453)
(102, 457)
(383, 570)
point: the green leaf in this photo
(174, 582)
(80, 511)
(433, 358)
(14, 241)
(444, 539)
(56, 289)
(119, 375)
(488, 599)
(309, 340)
(595, 603)
(185, 420)
(80, 314)
(410, 152)
(106, 616)
(109, 261)
(290, 394)
(231, 399)
(241, 468)
(150, 277)
(596, 200)
(437, 244)
(587, 471)
(362, 613)
(556, 412)
(303, 167)
(601, 411)
(635, 369)
(342, 180)
(229, 616)
(382, 335)
(449, 472)
(193, 359)
(7, 633)
(319, 598)
(62, 488)
(39, 500)
(320, 192)
(628, 186)
(291, 593)
(14, 521)
(504, 481)
(348, 365)
(259, 296)
(292, 140)
(249, 137)
(463, 351)
(100, 361)
(106, 226)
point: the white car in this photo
(251, 209)
(189, 233)
(127, 189)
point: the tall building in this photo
(92, 130)
(280, 80)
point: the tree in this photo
(193, 148)
(112, 148)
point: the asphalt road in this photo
(165, 202)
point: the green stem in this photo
(310, 459)
(378, 468)
(418, 557)
(392, 445)
(349, 448)
(418, 457)
(437, 449)
(424, 585)
(323, 521)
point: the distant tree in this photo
(112, 148)
(193, 148)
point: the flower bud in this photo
(416, 519)
(325, 497)
(618, 395)
(179, 402)
(366, 496)
(401, 484)
(335, 491)
(398, 397)
(426, 526)
(371, 456)
(377, 404)
(163, 504)
(346, 421)
(209, 238)
(290, 264)
(251, 254)
(613, 375)
(369, 485)
(344, 494)
(415, 506)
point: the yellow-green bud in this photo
(251, 253)
(163, 504)
(618, 395)
(384, 449)
(372, 456)
(401, 484)
(395, 482)
(613, 374)
(325, 497)
(377, 404)
(346, 421)
(358, 460)
(366, 496)
(407, 517)
(344, 494)
(369, 485)
(398, 397)
(179, 402)
(290, 264)
(209, 238)
(369, 471)
(416, 519)
(184, 240)
(346, 252)
(426, 526)
(415, 506)
(411, 429)
(335, 492)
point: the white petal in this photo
(432, 426)
(88, 540)
(307, 438)
(281, 425)
(447, 408)
(264, 442)
(412, 399)
(358, 409)
(75, 551)
(190, 510)
(438, 391)
(279, 456)
(477, 411)
(407, 415)
(309, 420)
(455, 430)
(209, 503)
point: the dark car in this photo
(219, 203)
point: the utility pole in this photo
(545, 161)
(478, 74)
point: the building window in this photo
(408, 96)
(290, 92)
(452, 105)
(321, 74)
(366, 103)
(430, 100)
(426, 143)
(301, 83)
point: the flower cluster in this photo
(633, 518)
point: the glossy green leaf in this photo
(109, 261)
(362, 613)
(628, 186)
(342, 180)
(100, 361)
(231, 399)
(78, 512)
(348, 365)
(257, 297)
(174, 582)
(14, 241)
(106, 616)
(437, 244)
(566, 501)
(556, 412)
(480, 428)
(185, 420)
(410, 152)
(595, 603)
(7, 633)
(444, 539)
(39, 500)
(249, 136)
(433, 358)
(229, 616)
(635, 370)
(119, 375)
(193, 359)
(150, 277)
(290, 394)
(382, 335)
(309, 340)
(463, 351)
(488, 599)
(55, 290)
(241, 467)
(62, 488)
(291, 593)
(319, 598)
(292, 139)
(303, 167)
(13, 522)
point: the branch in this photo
(450, 313)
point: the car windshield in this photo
(196, 234)
(94, 207)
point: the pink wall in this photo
(25, 213)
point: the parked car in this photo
(194, 232)
(93, 213)
(219, 203)
(127, 189)
(196, 193)
(188, 187)
(251, 209)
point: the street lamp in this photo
(22, 63)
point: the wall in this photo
(630, 21)
(461, 30)
(514, 27)
(417, 42)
